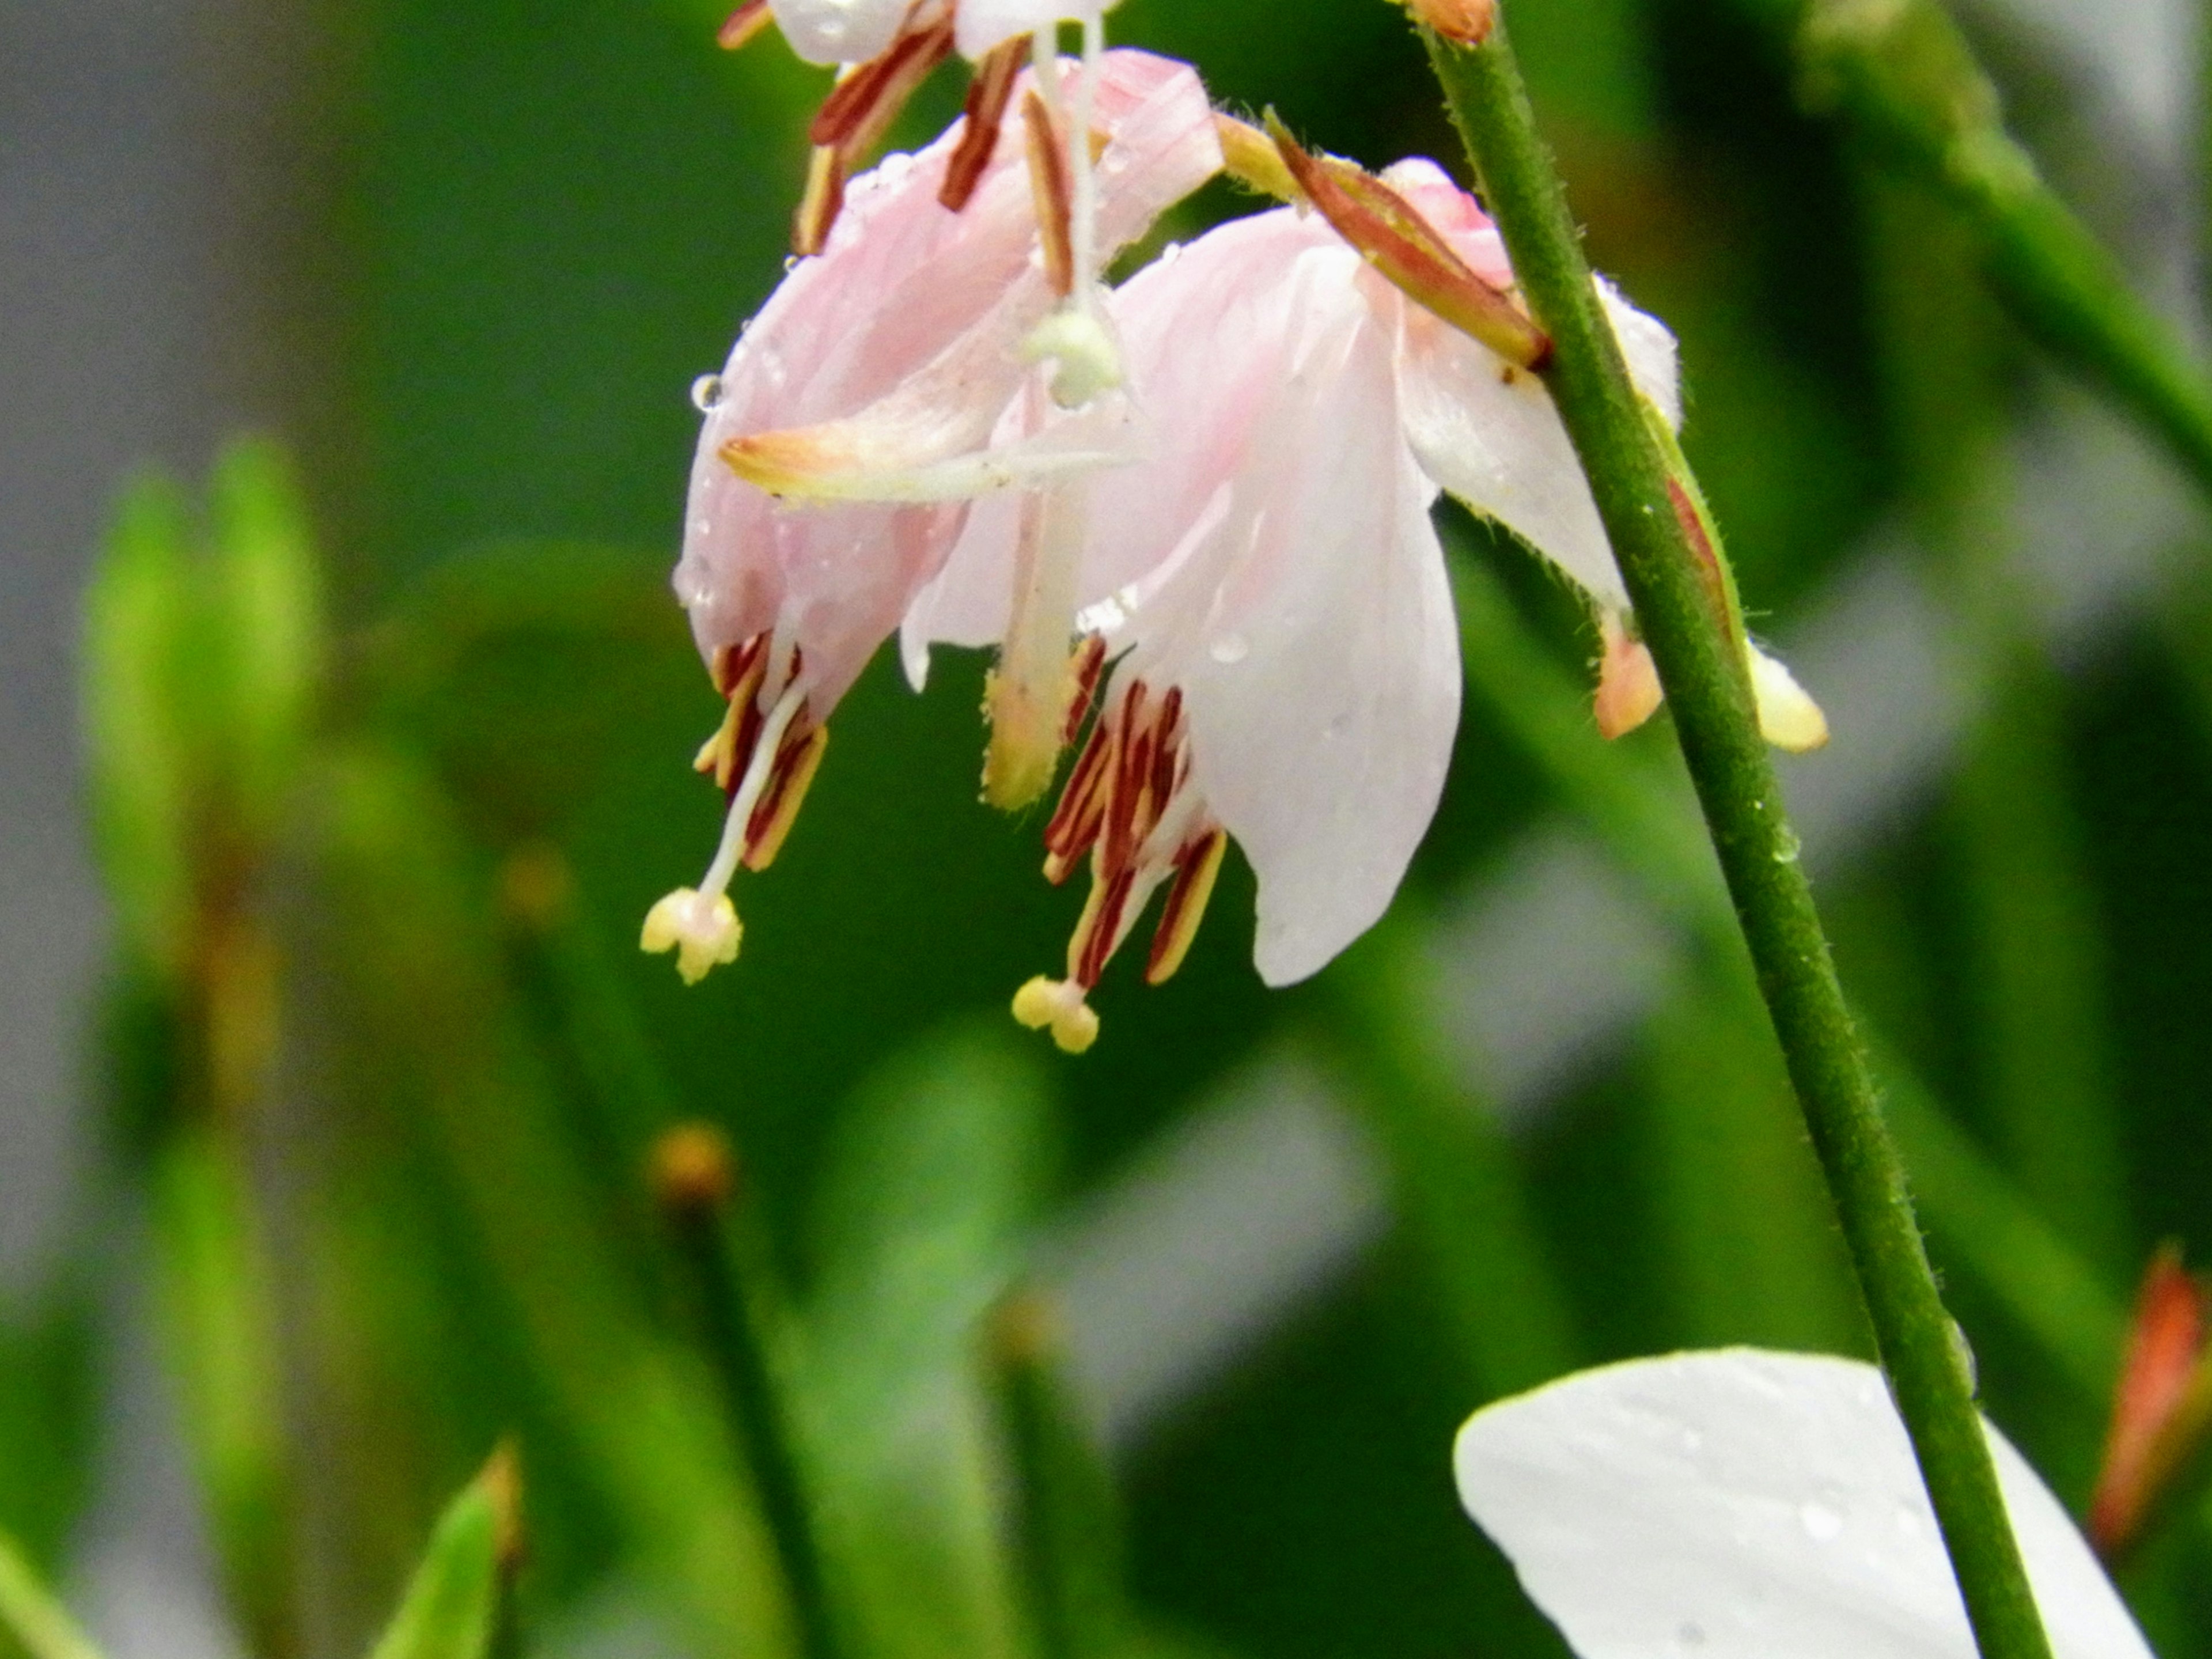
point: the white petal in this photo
(838, 31)
(1741, 1505)
(980, 25)
(1312, 636)
(1492, 435)
(1649, 345)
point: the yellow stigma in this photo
(1085, 360)
(703, 933)
(1058, 1005)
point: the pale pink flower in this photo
(1742, 1505)
(1288, 669)
(1288, 660)
(867, 392)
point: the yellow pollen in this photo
(1058, 1005)
(703, 933)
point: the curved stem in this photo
(1640, 500)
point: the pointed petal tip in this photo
(1788, 717)
(1628, 689)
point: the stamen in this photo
(1196, 866)
(1089, 666)
(870, 97)
(786, 791)
(1391, 235)
(737, 673)
(818, 208)
(743, 24)
(1051, 193)
(1058, 1004)
(1075, 823)
(988, 94)
(701, 924)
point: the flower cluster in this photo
(1192, 512)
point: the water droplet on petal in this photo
(707, 393)
(1691, 1635)
(1820, 1522)
(1229, 648)
(790, 263)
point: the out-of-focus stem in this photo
(1066, 1533)
(1709, 694)
(694, 1175)
(1903, 78)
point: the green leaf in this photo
(49, 1399)
(267, 607)
(451, 1606)
(137, 618)
(217, 1305)
(34, 1622)
(420, 984)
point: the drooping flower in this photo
(1272, 589)
(867, 392)
(1269, 582)
(1743, 1504)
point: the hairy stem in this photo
(1639, 498)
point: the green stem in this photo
(1702, 669)
(1066, 1533)
(696, 1180)
(1906, 82)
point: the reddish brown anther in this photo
(743, 24)
(985, 112)
(853, 119)
(1395, 239)
(1463, 22)
(1053, 191)
(862, 105)
(822, 201)
(2158, 1412)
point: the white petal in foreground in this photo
(1742, 1505)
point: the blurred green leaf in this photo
(216, 1303)
(1065, 1521)
(36, 1623)
(267, 610)
(424, 985)
(1744, 1226)
(936, 1178)
(138, 612)
(451, 1606)
(1458, 1184)
(49, 1397)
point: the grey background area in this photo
(148, 167)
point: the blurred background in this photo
(461, 265)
